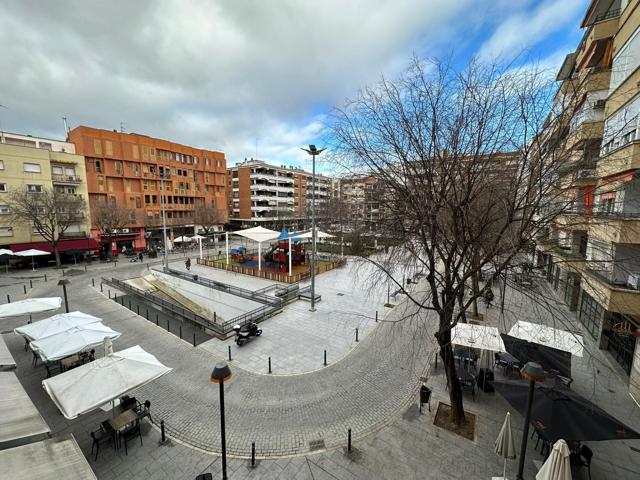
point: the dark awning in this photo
(64, 245)
(567, 67)
(549, 358)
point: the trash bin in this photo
(425, 396)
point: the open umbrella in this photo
(32, 253)
(55, 324)
(4, 255)
(549, 358)
(558, 465)
(559, 412)
(72, 341)
(504, 444)
(30, 305)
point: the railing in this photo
(65, 178)
(623, 215)
(606, 279)
(256, 296)
(607, 15)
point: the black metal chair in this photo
(53, 368)
(584, 459)
(99, 437)
(130, 432)
(144, 410)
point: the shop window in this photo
(591, 313)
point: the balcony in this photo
(605, 25)
(69, 179)
(76, 235)
(626, 157)
(615, 228)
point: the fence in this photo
(268, 274)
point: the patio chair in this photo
(99, 437)
(128, 403)
(584, 460)
(498, 361)
(130, 432)
(53, 368)
(144, 410)
(34, 360)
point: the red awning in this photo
(64, 245)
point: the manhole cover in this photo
(340, 294)
(316, 445)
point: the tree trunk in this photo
(455, 392)
(475, 285)
(57, 254)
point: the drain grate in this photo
(340, 294)
(316, 445)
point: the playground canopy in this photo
(182, 239)
(309, 234)
(258, 234)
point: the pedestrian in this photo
(140, 256)
(488, 296)
(187, 263)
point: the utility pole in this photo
(164, 222)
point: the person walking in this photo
(488, 296)
(187, 263)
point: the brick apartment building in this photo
(125, 169)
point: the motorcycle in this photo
(247, 333)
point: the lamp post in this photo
(313, 151)
(222, 372)
(164, 223)
(63, 282)
(534, 373)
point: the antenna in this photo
(121, 127)
(66, 127)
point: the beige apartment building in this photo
(273, 196)
(35, 164)
(592, 254)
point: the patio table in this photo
(122, 420)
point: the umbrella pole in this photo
(504, 469)
(33, 263)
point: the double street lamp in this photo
(63, 282)
(220, 374)
(313, 151)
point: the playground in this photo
(282, 256)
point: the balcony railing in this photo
(618, 215)
(607, 15)
(604, 277)
(65, 178)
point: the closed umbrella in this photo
(504, 444)
(558, 465)
(559, 412)
(108, 346)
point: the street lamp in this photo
(164, 223)
(220, 373)
(63, 282)
(534, 373)
(313, 151)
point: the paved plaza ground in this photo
(371, 390)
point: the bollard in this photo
(215, 318)
(253, 454)
(156, 319)
(101, 287)
(356, 334)
(8, 298)
(194, 339)
(325, 357)
(109, 294)
(229, 352)
(168, 326)
(129, 304)
(269, 364)
(138, 309)
(180, 332)
(162, 435)
(63, 272)
(147, 314)
(376, 316)
(24, 287)
(349, 441)
(30, 283)
(45, 277)
(85, 267)
(93, 282)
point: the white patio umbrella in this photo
(32, 253)
(548, 336)
(182, 239)
(4, 252)
(89, 386)
(107, 344)
(477, 336)
(309, 234)
(30, 305)
(55, 324)
(504, 445)
(558, 465)
(72, 341)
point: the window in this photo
(1, 164)
(138, 202)
(108, 146)
(6, 231)
(621, 127)
(97, 146)
(5, 210)
(56, 170)
(98, 166)
(136, 169)
(219, 163)
(626, 61)
(34, 188)
(136, 151)
(32, 167)
(70, 171)
(591, 313)
(118, 166)
(147, 199)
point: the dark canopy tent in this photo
(559, 412)
(551, 359)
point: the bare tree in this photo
(49, 212)
(467, 169)
(209, 218)
(109, 218)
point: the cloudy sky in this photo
(232, 74)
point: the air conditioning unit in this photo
(599, 104)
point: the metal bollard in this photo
(30, 283)
(8, 298)
(194, 339)
(269, 364)
(253, 454)
(229, 352)
(349, 441)
(129, 304)
(325, 357)
(162, 434)
(85, 267)
(45, 277)
(156, 319)
(24, 287)
(147, 314)
(215, 318)
(138, 309)
(109, 294)
(180, 332)
(101, 287)
(376, 316)
(356, 334)
(168, 326)
(93, 282)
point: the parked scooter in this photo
(246, 333)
